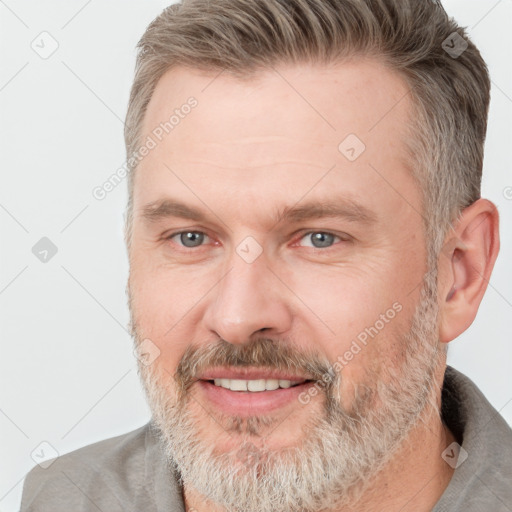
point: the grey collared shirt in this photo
(130, 472)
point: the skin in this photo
(252, 148)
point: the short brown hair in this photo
(449, 92)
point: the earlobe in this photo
(465, 266)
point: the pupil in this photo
(322, 239)
(191, 239)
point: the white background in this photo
(67, 371)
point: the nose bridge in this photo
(247, 299)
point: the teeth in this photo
(238, 385)
(271, 384)
(254, 385)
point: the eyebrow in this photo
(340, 208)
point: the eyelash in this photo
(304, 234)
(172, 235)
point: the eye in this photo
(189, 239)
(320, 239)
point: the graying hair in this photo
(449, 93)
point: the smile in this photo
(255, 386)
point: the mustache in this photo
(259, 353)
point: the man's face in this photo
(305, 249)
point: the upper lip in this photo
(250, 374)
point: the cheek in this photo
(164, 293)
(344, 300)
(166, 305)
(359, 317)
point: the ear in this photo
(465, 266)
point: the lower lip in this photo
(248, 403)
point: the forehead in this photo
(278, 125)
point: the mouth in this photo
(252, 392)
(256, 385)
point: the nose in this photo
(249, 299)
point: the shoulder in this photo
(102, 475)
(483, 473)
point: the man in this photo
(306, 235)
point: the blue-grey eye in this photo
(191, 238)
(320, 239)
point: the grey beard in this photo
(341, 451)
